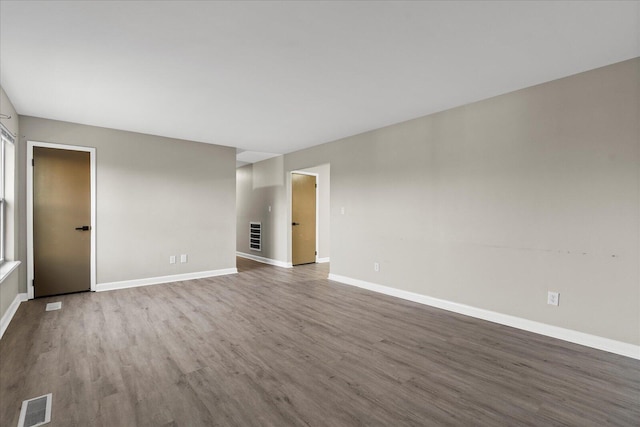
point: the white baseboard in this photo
(101, 287)
(322, 260)
(600, 343)
(11, 311)
(265, 260)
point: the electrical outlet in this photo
(172, 259)
(376, 266)
(553, 298)
(183, 258)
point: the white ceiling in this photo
(281, 76)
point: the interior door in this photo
(303, 216)
(61, 221)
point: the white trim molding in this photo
(92, 162)
(322, 260)
(6, 268)
(588, 340)
(265, 260)
(11, 311)
(111, 286)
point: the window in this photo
(6, 138)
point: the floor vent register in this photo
(54, 306)
(35, 412)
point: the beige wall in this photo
(494, 203)
(9, 288)
(156, 197)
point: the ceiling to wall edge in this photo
(246, 157)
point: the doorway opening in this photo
(61, 219)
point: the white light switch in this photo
(342, 210)
(172, 259)
(183, 258)
(269, 208)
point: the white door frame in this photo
(92, 161)
(317, 209)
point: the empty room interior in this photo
(367, 213)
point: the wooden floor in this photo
(280, 347)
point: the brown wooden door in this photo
(303, 215)
(61, 205)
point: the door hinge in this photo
(33, 162)
(316, 185)
(33, 283)
(316, 252)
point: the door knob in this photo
(295, 223)
(84, 228)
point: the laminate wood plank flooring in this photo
(287, 347)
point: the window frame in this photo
(5, 137)
(3, 202)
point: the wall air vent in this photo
(255, 236)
